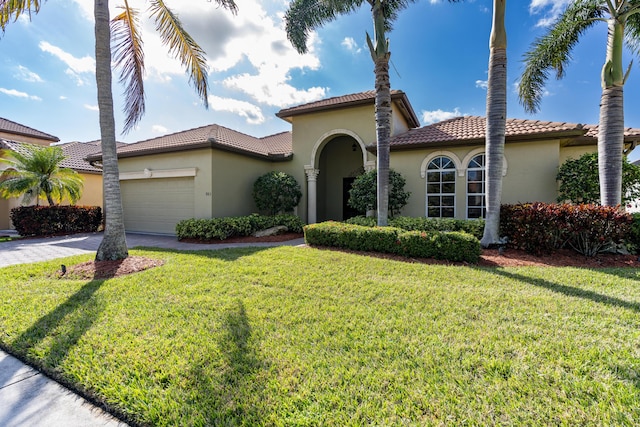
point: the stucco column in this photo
(369, 165)
(312, 197)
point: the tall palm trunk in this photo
(114, 244)
(380, 55)
(611, 128)
(496, 123)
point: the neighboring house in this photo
(210, 171)
(13, 137)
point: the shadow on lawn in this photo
(224, 254)
(568, 290)
(235, 393)
(63, 327)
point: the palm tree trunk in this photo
(383, 135)
(496, 123)
(114, 244)
(611, 145)
(611, 129)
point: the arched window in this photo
(441, 188)
(476, 187)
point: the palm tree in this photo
(496, 123)
(552, 51)
(37, 173)
(129, 56)
(304, 16)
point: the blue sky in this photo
(439, 58)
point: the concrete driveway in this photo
(24, 251)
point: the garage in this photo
(156, 205)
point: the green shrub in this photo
(452, 246)
(52, 220)
(475, 227)
(223, 228)
(633, 238)
(276, 192)
(363, 195)
(541, 228)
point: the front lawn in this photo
(304, 337)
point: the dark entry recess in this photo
(347, 211)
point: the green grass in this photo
(304, 337)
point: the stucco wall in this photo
(92, 190)
(531, 172)
(567, 153)
(22, 138)
(223, 180)
(233, 179)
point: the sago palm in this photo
(553, 51)
(129, 56)
(36, 174)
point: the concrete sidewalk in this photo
(29, 398)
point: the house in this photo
(210, 171)
(14, 137)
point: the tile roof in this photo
(75, 153)
(351, 100)
(471, 129)
(630, 134)
(278, 146)
(16, 128)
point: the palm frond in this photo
(182, 46)
(129, 57)
(632, 30)
(10, 10)
(304, 16)
(553, 50)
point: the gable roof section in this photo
(273, 147)
(352, 100)
(471, 130)
(75, 153)
(17, 129)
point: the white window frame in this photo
(483, 170)
(426, 172)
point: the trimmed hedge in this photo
(475, 227)
(542, 228)
(451, 246)
(223, 228)
(54, 220)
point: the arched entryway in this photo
(337, 158)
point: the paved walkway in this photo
(29, 398)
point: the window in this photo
(441, 188)
(476, 187)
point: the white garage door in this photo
(156, 205)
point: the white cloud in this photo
(76, 66)
(62, 97)
(27, 75)
(482, 84)
(551, 9)
(159, 129)
(429, 117)
(350, 44)
(18, 94)
(91, 107)
(251, 112)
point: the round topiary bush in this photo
(363, 193)
(276, 192)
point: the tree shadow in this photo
(224, 254)
(568, 290)
(62, 328)
(234, 390)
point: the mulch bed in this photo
(489, 258)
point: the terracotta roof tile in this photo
(629, 133)
(354, 99)
(472, 129)
(75, 153)
(18, 129)
(274, 146)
